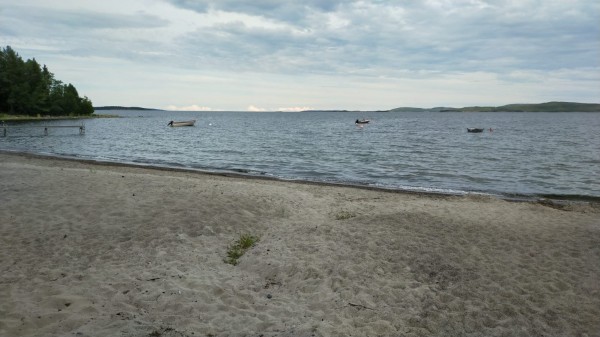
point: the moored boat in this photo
(182, 123)
(362, 121)
(474, 130)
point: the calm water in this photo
(527, 154)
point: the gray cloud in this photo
(77, 32)
(378, 37)
(457, 36)
(283, 10)
(50, 20)
(510, 41)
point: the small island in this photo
(118, 107)
(540, 107)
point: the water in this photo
(527, 154)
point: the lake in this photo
(526, 155)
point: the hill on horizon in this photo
(537, 107)
(117, 107)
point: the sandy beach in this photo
(112, 250)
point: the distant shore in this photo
(117, 107)
(536, 107)
(116, 250)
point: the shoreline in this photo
(114, 250)
(557, 200)
(20, 118)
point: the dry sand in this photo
(100, 250)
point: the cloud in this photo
(295, 109)
(284, 10)
(323, 53)
(37, 19)
(192, 107)
(327, 37)
(382, 38)
(255, 109)
(51, 29)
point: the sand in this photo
(112, 250)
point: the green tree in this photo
(86, 108)
(26, 88)
(70, 100)
(36, 97)
(14, 89)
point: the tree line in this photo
(26, 88)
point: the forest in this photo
(29, 89)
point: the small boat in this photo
(362, 121)
(474, 130)
(184, 123)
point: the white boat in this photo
(183, 123)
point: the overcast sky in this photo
(312, 54)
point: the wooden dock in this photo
(46, 128)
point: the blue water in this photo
(527, 154)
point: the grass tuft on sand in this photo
(344, 215)
(237, 249)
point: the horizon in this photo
(207, 55)
(137, 107)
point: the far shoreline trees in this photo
(28, 89)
